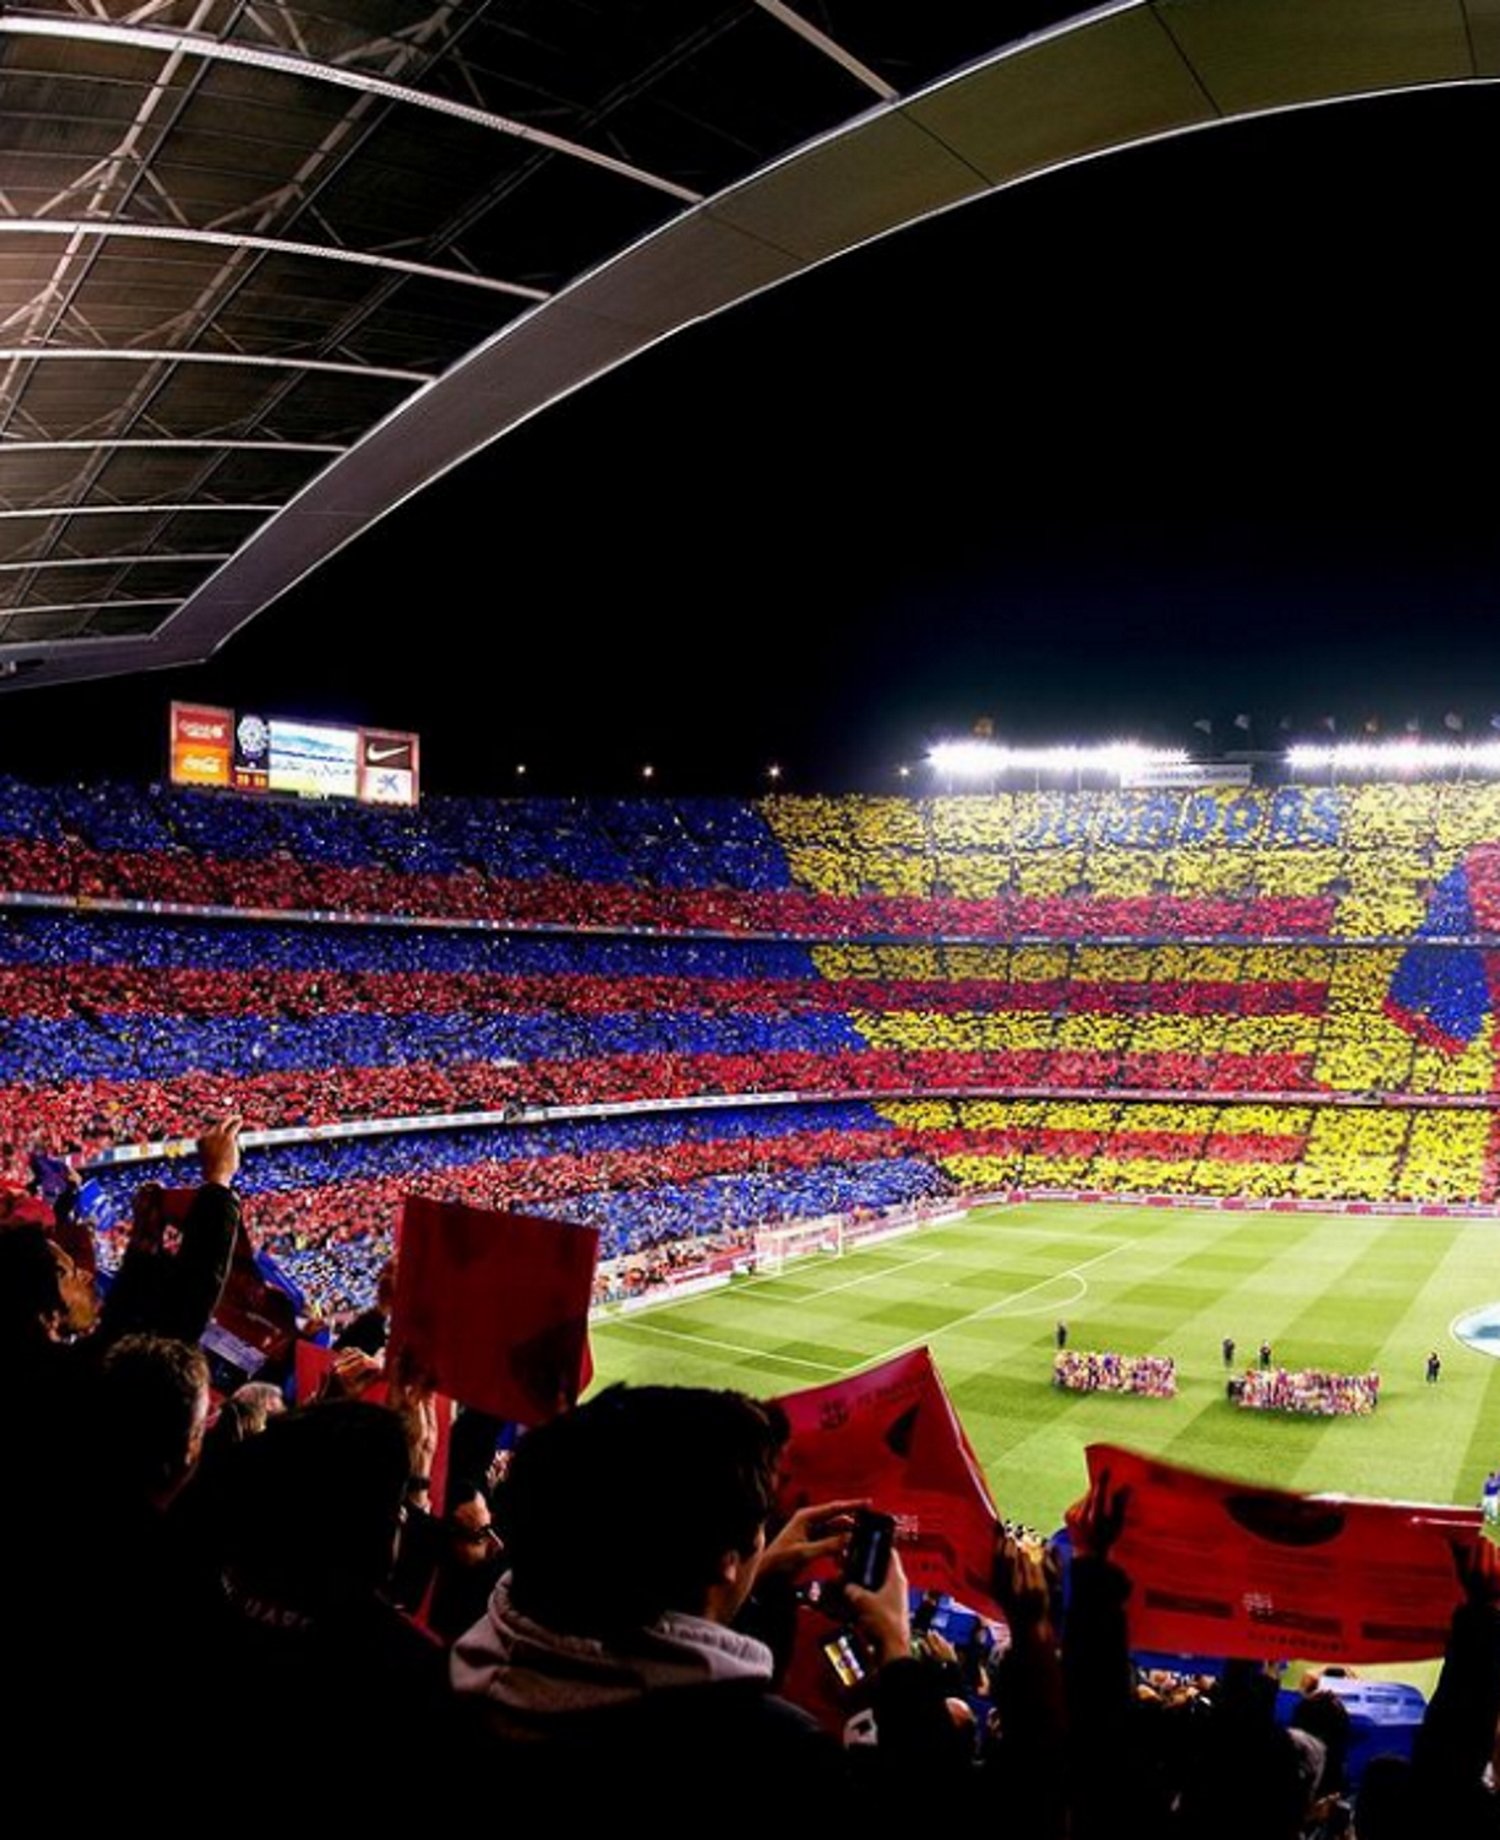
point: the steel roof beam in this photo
(162, 600)
(309, 70)
(106, 562)
(225, 441)
(131, 354)
(140, 509)
(241, 263)
(263, 245)
(830, 47)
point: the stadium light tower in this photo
(976, 760)
(1405, 756)
(967, 759)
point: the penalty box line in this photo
(826, 1367)
(709, 1341)
(766, 1354)
(1001, 1303)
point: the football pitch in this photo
(985, 1294)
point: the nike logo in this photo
(374, 755)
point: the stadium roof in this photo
(266, 270)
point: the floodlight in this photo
(1407, 755)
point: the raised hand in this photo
(1096, 1522)
(820, 1531)
(219, 1151)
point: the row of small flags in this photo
(1452, 721)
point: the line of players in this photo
(1267, 1359)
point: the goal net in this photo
(775, 1245)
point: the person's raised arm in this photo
(198, 1273)
(1096, 1663)
(1029, 1693)
(176, 1294)
(1457, 1734)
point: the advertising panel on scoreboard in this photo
(315, 761)
(309, 760)
(388, 767)
(201, 744)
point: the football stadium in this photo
(970, 1286)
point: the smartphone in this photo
(870, 1542)
(842, 1653)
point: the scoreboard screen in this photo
(311, 760)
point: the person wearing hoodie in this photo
(635, 1530)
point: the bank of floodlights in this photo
(1406, 756)
(991, 760)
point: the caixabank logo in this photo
(388, 767)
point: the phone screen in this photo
(870, 1544)
(843, 1656)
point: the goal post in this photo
(775, 1245)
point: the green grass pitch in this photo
(1348, 1293)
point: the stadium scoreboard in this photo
(244, 752)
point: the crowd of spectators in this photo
(531, 1633)
(130, 1029)
(640, 1274)
(605, 1141)
(1251, 1151)
(1311, 1391)
(1154, 865)
(674, 1185)
(259, 1550)
(1078, 1370)
(334, 1246)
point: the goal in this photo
(775, 1245)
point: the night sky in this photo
(1196, 430)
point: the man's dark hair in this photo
(29, 1291)
(312, 1505)
(152, 1390)
(1326, 1716)
(1386, 1807)
(624, 1508)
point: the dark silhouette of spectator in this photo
(309, 1516)
(635, 1528)
(370, 1330)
